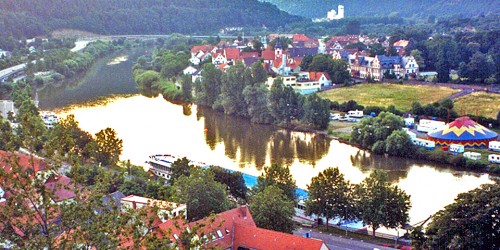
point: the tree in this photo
(339, 71)
(376, 49)
(187, 88)
(232, 179)
(417, 54)
(180, 167)
(399, 144)
(210, 88)
(380, 203)
(259, 75)
(330, 196)
(108, 147)
(201, 193)
(316, 111)
(271, 209)
(233, 83)
(471, 222)
(256, 98)
(147, 79)
(373, 129)
(279, 176)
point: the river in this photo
(107, 97)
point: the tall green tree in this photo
(316, 111)
(108, 147)
(187, 88)
(256, 98)
(471, 222)
(180, 167)
(202, 194)
(210, 87)
(399, 144)
(272, 209)
(381, 204)
(373, 129)
(233, 84)
(232, 179)
(331, 196)
(279, 176)
(259, 75)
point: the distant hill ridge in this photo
(28, 18)
(406, 8)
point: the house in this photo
(62, 187)
(5, 54)
(190, 70)
(306, 83)
(236, 229)
(400, 46)
(321, 78)
(376, 67)
(6, 107)
(166, 210)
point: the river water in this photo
(106, 97)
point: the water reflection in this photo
(102, 79)
(260, 145)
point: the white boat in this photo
(161, 165)
(49, 119)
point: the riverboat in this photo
(161, 165)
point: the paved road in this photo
(340, 243)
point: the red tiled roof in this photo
(204, 48)
(259, 238)
(224, 222)
(300, 38)
(62, 186)
(23, 160)
(401, 43)
(315, 76)
(232, 53)
(268, 54)
(249, 54)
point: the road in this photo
(340, 243)
(79, 45)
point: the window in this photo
(219, 233)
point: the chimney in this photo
(243, 210)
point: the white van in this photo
(494, 158)
(456, 148)
(472, 156)
(494, 146)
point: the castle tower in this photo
(340, 13)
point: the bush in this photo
(472, 164)
(456, 160)
(379, 147)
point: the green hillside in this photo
(406, 8)
(29, 18)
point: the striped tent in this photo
(463, 131)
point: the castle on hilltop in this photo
(334, 15)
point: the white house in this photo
(410, 65)
(190, 70)
(166, 210)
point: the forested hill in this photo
(406, 8)
(28, 17)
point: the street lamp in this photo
(345, 206)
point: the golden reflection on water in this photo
(153, 125)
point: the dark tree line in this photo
(27, 18)
(238, 92)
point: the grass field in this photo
(486, 104)
(401, 96)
